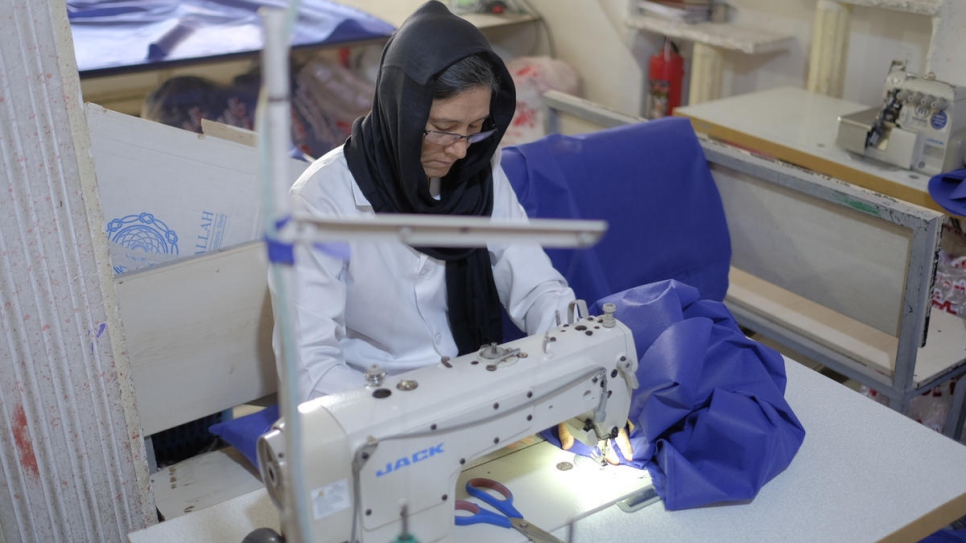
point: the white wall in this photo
(877, 37)
(591, 36)
(612, 60)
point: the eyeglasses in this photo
(448, 138)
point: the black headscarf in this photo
(385, 149)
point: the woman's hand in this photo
(622, 442)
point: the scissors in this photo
(510, 517)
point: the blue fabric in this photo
(947, 535)
(279, 252)
(122, 34)
(243, 433)
(651, 183)
(711, 423)
(949, 191)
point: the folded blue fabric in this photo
(711, 423)
(949, 191)
(243, 433)
(650, 181)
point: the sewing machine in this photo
(383, 460)
(920, 125)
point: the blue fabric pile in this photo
(710, 420)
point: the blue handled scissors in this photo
(510, 517)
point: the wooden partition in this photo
(199, 335)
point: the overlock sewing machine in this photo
(920, 126)
(384, 459)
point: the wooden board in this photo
(199, 335)
(944, 350)
(945, 346)
(843, 334)
(919, 7)
(844, 259)
(395, 12)
(201, 481)
(728, 36)
(248, 138)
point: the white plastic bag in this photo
(533, 76)
(949, 288)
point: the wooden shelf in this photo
(724, 35)
(945, 349)
(922, 7)
(855, 339)
(395, 12)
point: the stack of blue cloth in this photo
(127, 34)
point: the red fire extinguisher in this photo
(665, 77)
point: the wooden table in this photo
(799, 127)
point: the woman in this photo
(429, 146)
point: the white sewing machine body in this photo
(371, 451)
(921, 125)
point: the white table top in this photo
(864, 473)
(799, 127)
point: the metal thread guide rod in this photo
(273, 117)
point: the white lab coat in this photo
(387, 304)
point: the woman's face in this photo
(462, 114)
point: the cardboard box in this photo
(167, 193)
